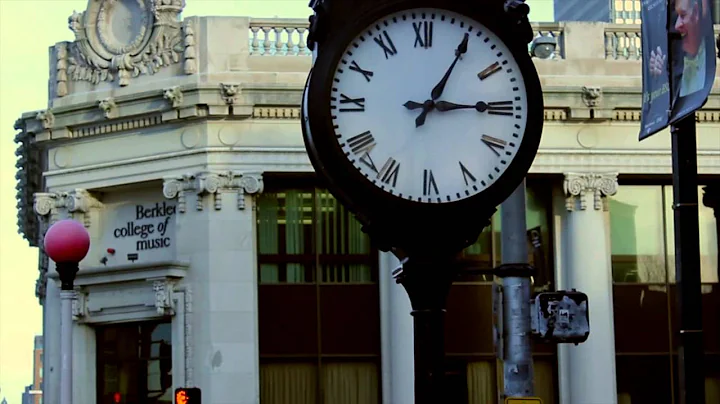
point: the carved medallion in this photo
(123, 26)
(123, 39)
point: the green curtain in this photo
(268, 235)
(294, 234)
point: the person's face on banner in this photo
(688, 24)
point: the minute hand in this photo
(461, 49)
(494, 108)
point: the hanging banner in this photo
(693, 55)
(655, 75)
(678, 46)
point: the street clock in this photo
(422, 116)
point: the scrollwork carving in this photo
(81, 201)
(251, 183)
(150, 39)
(79, 305)
(174, 95)
(213, 184)
(163, 297)
(176, 187)
(599, 185)
(46, 205)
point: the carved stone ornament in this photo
(46, 118)
(108, 107)
(579, 186)
(174, 95)
(164, 302)
(79, 305)
(591, 96)
(50, 206)
(228, 92)
(123, 39)
(213, 184)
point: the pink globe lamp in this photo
(67, 243)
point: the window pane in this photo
(343, 248)
(135, 361)
(636, 231)
(708, 240)
(285, 235)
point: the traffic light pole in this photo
(517, 355)
(687, 261)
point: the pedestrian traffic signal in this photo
(187, 395)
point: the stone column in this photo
(588, 369)
(217, 234)
(396, 336)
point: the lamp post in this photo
(66, 242)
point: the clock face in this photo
(415, 135)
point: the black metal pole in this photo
(427, 282)
(687, 261)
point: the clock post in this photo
(421, 117)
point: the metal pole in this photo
(66, 346)
(517, 362)
(687, 261)
(427, 282)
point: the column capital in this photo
(214, 184)
(578, 186)
(50, 206)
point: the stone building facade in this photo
(219, 261)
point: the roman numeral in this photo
(466, 174)
(362, 143)
(367, 160)
(366, 73)
(423, 34)
(494, 143)
(429, 184)
(389, 171)
(488, 71)
(388, 49)
(358, 102)
(500, 108)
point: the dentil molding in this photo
(213, 184)
(579, 186)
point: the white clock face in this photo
(390, 78)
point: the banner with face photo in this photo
(655, 75)
(692, 47)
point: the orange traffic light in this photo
(187, 395)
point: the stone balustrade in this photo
(288, 37)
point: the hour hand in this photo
(413, 105)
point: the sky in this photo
(27, 29)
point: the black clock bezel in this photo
(350, 185)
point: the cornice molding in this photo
(213, 184)
(579, 186)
